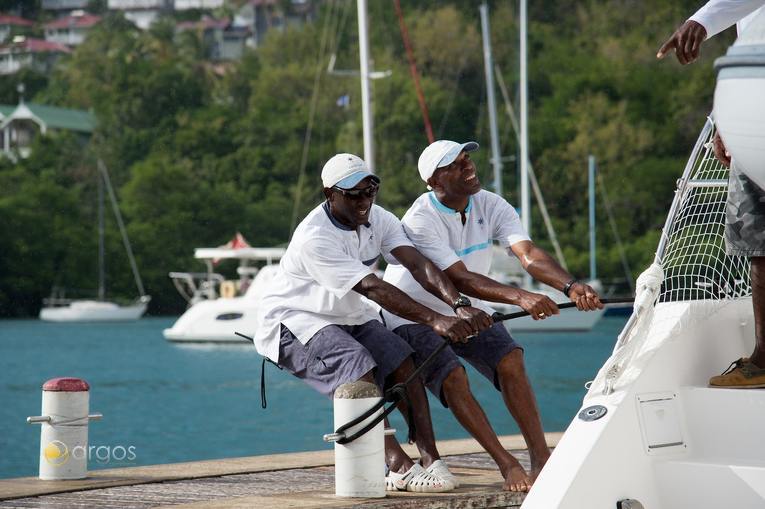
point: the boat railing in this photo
(692, 252)
(57, 301)
(691, 262)
(196, 286)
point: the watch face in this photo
(462, 302)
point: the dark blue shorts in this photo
(483, 353)
(340, 354)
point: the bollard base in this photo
(360, 464)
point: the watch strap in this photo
(567, 287)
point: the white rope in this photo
(633, 337)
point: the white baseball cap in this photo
(345, 171)
(441, 153)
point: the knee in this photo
(403, 371)
(407, 366)
(456, 380)
(512, 364)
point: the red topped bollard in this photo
(64, 433)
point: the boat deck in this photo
(304, 480)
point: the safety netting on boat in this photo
(691, 265)
(694, 261)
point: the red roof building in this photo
(8, 23)
(27, 52)
(71, 30)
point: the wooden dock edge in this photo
(32, 486)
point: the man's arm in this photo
(438, 284)
(397, 302)
(544, 268)
(714, 17)
(477, 285)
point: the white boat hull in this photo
(215, 321)
(667, 439)
(92, 311)
(569, 319)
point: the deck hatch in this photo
(660, 421)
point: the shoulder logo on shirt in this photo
(480, 221)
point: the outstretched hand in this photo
(686, 41)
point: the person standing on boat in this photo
(745, 210)
(454, 226)
(315, 323)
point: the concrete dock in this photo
(304, 480)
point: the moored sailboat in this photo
(61, 309)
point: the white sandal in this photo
(416, 479)
(440, 470)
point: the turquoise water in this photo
(174, 403)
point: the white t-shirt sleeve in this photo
(717, 15)
(392, 232)
(508, 229)
(331, 267)
(431, 239)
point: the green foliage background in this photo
(198, 151)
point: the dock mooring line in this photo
(398, 392)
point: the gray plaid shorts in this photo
(339, 354)
(744, 216)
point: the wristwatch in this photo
(567, 287)
(461, 302)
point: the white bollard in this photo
(64, 433)
(359, 465)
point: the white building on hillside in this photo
(260, 16)
(222, 40)
(20, 125)
(182, 5)
(64, 7)
(71, 30)
(142, 12)
(27, 52)
(10, 23)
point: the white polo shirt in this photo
(438, 233)
(323, 262)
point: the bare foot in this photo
(516, 479)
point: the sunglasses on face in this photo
(355, 194)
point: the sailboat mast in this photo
(366, 93)
(591, 189)
(101, 256)
(525, 198)
(488, 62)
(121, 225)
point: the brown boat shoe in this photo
(741, 374)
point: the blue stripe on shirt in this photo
(475, 247)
